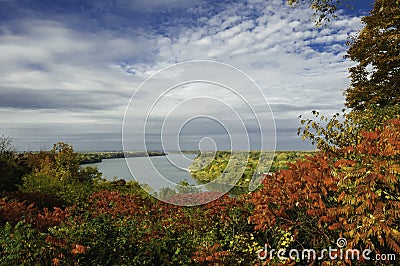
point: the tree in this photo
(7, 150)
(11, 169)
(375, 80)
(324, 10)
(57, 172)
(66, 161)
(374, 93)
(6, 162)
(364, 144)
(368, 174)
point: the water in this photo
(143, 169)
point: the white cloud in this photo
(294, 63)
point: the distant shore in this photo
(97, 157)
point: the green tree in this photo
(66, 161)
(375, 80)
(57, 172)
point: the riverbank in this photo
(97, 157)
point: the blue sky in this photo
(69, 68)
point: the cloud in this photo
(57, 99)
(80, 61)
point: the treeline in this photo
(96, 157)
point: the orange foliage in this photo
(114, 204)
(368, 211)
(210, 255)
(355, 194)
(306, 185)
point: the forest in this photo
(55, 212)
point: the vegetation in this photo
(96, 157)
(56, 213)
(225, 167)
(324, 10)
(375, 80)
(64, 215)
(12, 167)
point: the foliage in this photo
(353, 192)
(125, 187)
(165, 193)
(57, 172)
(12, 167)
(225, 166)
(282, 159)
(116, 228)
(328, 134)
(23, 245)
(375, 80)
(40, 200)
(368, 211)
(295, 200)
(342, 130)
(14, 211)
(324, 10)
(190, 199)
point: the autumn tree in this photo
(368, 210)
(57, 172)
(373, 94)
(362, 146)
(375, 80)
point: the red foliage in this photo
(306, 185)
(39, 199)
(368, 210)
(221, 207)
(114, 204)
(354, 193)
(14, 211)
(210, 255)
(190, 199)
(46, 218)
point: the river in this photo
(144, 169)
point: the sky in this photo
(69, 69)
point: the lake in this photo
(170, 169)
